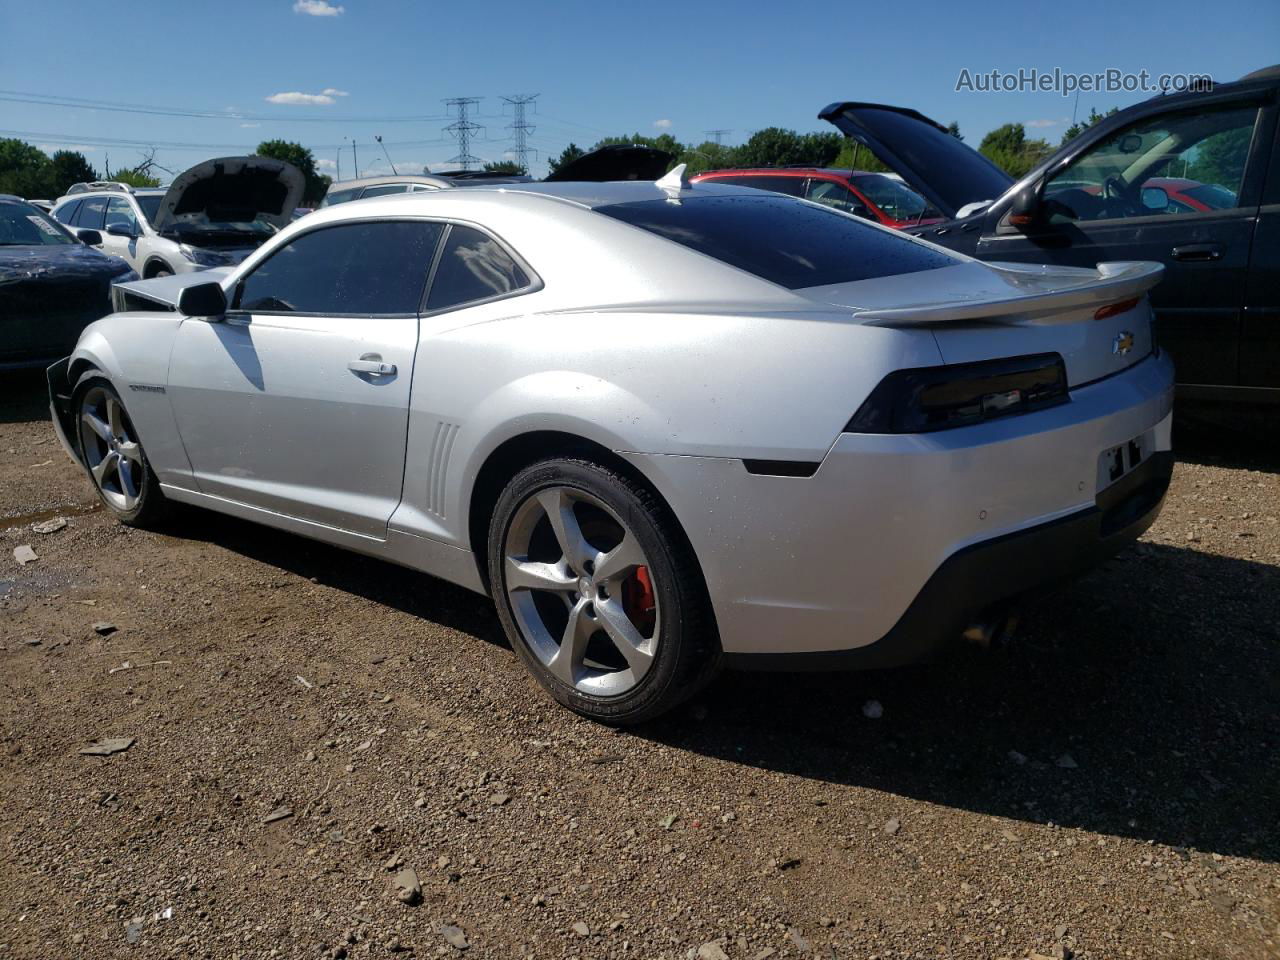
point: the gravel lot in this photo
(1106, 786)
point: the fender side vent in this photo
(438, 466)
(781, 468)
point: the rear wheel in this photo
(113, 455)
(599, 592)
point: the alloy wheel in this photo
(581, 590)
(111, 449)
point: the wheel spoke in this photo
(104, 467)
(96, 424)
(624, 635)
(574, 546)
(128, 489)
(115, 417)
(130, 451)
(531, 575)
(567, 663)
(621, 560)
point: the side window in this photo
(1169, 165)
(91, 213)
(67, 212)
(836, 195)
(356, 268)
(119, 211)
(383, 188)
(419, 187)
(473, 267)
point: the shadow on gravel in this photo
(408, 591)
(1143, 701)
(24, 396)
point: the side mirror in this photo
(122, 230)
(1025, 209)
(91, 237)
(202, 300)
(1155, 198)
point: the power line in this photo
(521, 129)
(463, 130)
(717, 135)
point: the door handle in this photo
(372, 363)
(1198, 251)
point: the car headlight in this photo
(204, 258)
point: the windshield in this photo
(150, 204)
(780, 239)
(893, 197)
(23, 225)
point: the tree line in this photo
(27, 171)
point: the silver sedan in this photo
(665, 427)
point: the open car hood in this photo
(234, 190)
(949, 174)
(618, 161)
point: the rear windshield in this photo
(780, 239)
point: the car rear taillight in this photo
(962, 394)
(1112, 309)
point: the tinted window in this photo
(24, 225)
(91, 213)
(119, 211)
(836, 195)
(150, 204)
(67, 212)
(788, 243)
(359, 268)
(473, 267)
(382, 188)
(893, 197)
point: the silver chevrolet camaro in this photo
(666, 427)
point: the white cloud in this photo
(324, 163)
(295, 98)
(331, 92)
(249, 126)
(318, 8)
(1048, 123)
(662, 124)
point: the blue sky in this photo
(599, 68)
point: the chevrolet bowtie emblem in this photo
(1122, 344)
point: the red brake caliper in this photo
(639, 602)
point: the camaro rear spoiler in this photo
(1035, 292)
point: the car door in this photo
(297, 400)
(1260, 337)
(120, 214)
(1106, 204)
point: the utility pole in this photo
(463, 129)
(520, 128)
(339, 170)
(717, 135)
(378, 137)
(354, 159)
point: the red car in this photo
(881, 197)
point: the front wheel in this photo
(113, 456)
(599, 593)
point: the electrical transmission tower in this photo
(463, 129)
(717, 135)
(520, 128)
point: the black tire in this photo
(148, 509)
(160, 270)
(686, 647)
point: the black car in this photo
(1191, 180)
(51, 285)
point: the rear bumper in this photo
(997, 572)
(60, 405)
(896, 542)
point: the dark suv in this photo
(881, 197)
(1191, 180)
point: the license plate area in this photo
(1116, 462)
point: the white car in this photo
(213, 215)
(666, 428)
